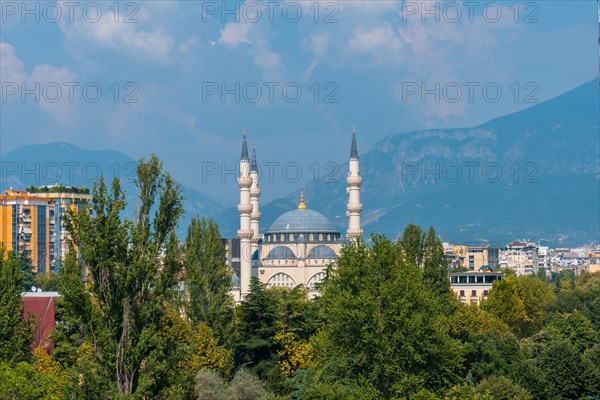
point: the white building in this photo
(520, 256)
(300, 244)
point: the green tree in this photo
(16, 332)
(575, 328)
(26, 268)
(24, 381)
(502, 388)
(47, 281)
(521, 302)
(584, 296)
(208, 279)
(384, 326)
(564, 370)
(133, 268)
(255, 339)
(424, 250)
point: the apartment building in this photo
(521, 256)
(476, 257)
(33, 221)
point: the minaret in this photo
(254, 196)
(245, 232)
(354, 181)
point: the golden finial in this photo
(301, 206)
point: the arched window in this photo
(281, 279)
(315, 280)
(281, 253)
(311, 237)
(320, 252)
(320, 237)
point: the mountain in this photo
(532, 174)
(63, 163)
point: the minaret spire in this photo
(244, 148)
(354, 180)
(353, 149)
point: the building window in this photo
(473, 293)
(485, 293)
(462, 293)
(320, 237)
(291, 237)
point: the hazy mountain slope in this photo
(66, 164)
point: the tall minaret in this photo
(354, 181)
(245, 232)
(254, 196)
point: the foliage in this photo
(24, 381)
(583, 296)
(16, 333)
(384, 325)
(521, 302)
(207, 278)
(425, 250)
(133, 268)
(47, 281)
(58, 189)
(26, 268)
(502, 388)
(244, 386)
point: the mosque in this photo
(301, 243)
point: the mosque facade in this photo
(300, 244)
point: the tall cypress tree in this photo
(16, 333)
(207, 279)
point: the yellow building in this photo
(33, 222)
(473, 286)
(475, 257)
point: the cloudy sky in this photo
(181, 79)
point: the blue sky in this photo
(369, 59)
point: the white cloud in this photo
(234, 34)
(11, 68)
(56, 81)
(143, 39)
(383, 44)
(50, 85)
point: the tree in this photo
(47, 281)
(16, 333)
(207, 279)
(584, 297)
(470, 320)
(502, 388)
(27, 275)
(244, 386)
(384, 327)
(564, 370)
(255, 340)
(133, 270)
(575, 328)
(521, 302)
(424, 250)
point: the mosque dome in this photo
(302, 220)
